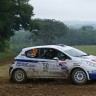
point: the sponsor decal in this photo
(32, 63)
(76, 64)
(64, 67)
(21, 64)
(62, 63)
(25, 64)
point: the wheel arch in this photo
(13, 78)
(17, 69)
(81, 69)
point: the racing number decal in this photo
(45, 67)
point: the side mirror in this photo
(55, 58)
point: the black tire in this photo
(79, 77)
(19, 76)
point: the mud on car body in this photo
(53, 61)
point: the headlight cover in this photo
(90, 63)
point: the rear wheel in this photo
(19, 76)
(79, 76)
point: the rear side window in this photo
(33, 53)
(36, 53)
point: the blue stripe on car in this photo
(23, 60)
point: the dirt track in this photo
(45, 87)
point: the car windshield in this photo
(75, 52)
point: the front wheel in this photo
(19, 76)
(79, 77)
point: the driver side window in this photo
(62, 56)
(50, 53)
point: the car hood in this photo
(91, 57)
(88, 58)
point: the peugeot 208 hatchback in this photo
(53, 61)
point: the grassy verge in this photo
(6, 54)
(89, 49)
(5, 61)
(4, 70)
(6, 58)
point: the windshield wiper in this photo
(81, 55)
(85, 55)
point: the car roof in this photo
(58, 47)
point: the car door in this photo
(46, 62)
(43, 67)
(58, 66)
(39, 62)
(32, 61)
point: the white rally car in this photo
(53, 61)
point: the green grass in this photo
(4, 70)
(6, 54)
(89, 49)
(5, 61)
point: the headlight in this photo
(90, 63)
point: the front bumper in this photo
(10, 69)
(92, 75)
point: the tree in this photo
(14, 15)
(87, 27)
(48, 30)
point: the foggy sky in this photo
(83, 10)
